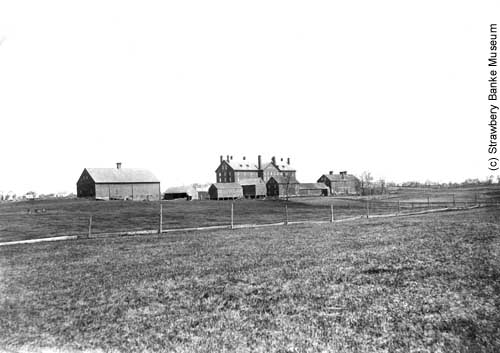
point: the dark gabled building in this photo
(118, 184)
(341, 183)
(230, 171)
(282, 186)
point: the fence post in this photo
(286, 214)
(367, 208)
(428, 202)
(399, 207)
(160, 230)
(90, 227)
(232, 215)
(331, 214)
(454, 203)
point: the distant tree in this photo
(366, 183)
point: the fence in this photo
(84, 218)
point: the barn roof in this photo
(280, 179)
(251, 181)
(221, 186)
(122, 175)
(312, 186)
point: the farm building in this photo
(230, 170)
(313, 189)
(280, 186)
(180, 192)
(225, 191)
(253, 188)
(284, 168)
(188, 192)
(341, 183)
(118, 184)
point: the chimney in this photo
(244, 157)
(288, 161)
(227, 158)
(273, 159)
(282, 159)
(221, 158)
(231, 157)
(330, 172)
(259, 162)
(119, 165)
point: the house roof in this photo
(122, 175)
(338, 177)
(227, 185)
(283, 167)
(251, 181)
(242, 165)
(312, 186)
(280, 179)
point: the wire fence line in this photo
(126, 218)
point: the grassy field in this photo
(49, 218)
(429, 283)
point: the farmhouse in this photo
(281, 186)
(118, 184)
(231, 170)
(225, 191)
(313, 189)
(253, 188)
(284, 168)
(341, 183)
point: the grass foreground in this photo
(411, 284)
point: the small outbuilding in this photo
(253, 188)
(225, 191)
(180, 192)
(313, 189)
(282, 186)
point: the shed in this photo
(313, 189)
(225, 191)
(187, 192)
(118, 184)
(253, 188)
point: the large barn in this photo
(341, 183)
(118, 184)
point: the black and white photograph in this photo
(249, 176)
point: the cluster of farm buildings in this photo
(234, 179)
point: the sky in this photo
(395, 88)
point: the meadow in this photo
(426, 283)
(50, 218)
